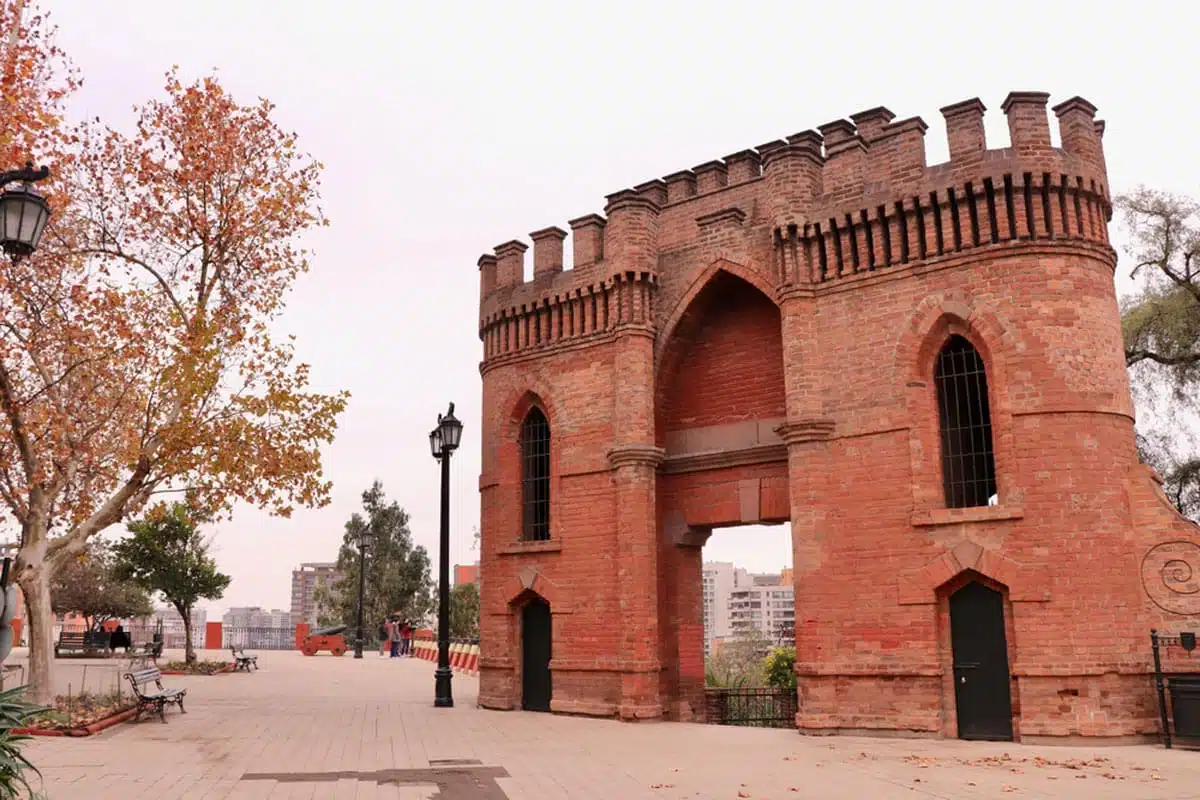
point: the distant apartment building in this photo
(255, 627)
(172, 620)
(305, 581)
(174, 636)
(737, 601)
(767, 605)
(256, 617)
(720, 578)
(466, 573)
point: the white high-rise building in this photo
(766, 604)
(736, 601)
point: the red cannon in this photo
(330, 639)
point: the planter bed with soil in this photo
(81, 715)
(199, 668)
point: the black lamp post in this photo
(443, 441)
(23, 212)
(362, 584)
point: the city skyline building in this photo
(305, 580)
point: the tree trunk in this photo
(40, 681)
(189, 653)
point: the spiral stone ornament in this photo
(1171, 576)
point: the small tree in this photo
(738, 662)
(780, 668)
(464, 611)
(167, 554)
(398, 580)
(87, 585)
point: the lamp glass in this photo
(435, 441)
(23, 217)
(451, 430)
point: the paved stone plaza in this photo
(325, 727)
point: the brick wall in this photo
(753, 340)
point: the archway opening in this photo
(749, 592)
(720, 401)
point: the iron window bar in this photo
(964, 417)
(535, 476)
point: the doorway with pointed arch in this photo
(537, 648)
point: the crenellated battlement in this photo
(853, 195)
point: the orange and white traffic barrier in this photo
(472, 667)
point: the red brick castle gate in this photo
(919, 366)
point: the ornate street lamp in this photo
(362, 584)
(23, 212)
(443, 441)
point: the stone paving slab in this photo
(325, 727)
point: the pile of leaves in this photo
(76, 711)
(196, 667)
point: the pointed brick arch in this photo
(935, 320)
(531, 582)
(1024, 583)
(522, 402)
(750, 275)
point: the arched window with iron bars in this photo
(535, 476)
(965, 420)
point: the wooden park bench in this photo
(155, 698)
(97, 640)
(82, 642)
(70, 641)
(241, 661)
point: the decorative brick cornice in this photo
(722, 459)
(806, 430)
(732, 215)
(793, 291)
(646, 455)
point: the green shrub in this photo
(780, 667)
(15, 713)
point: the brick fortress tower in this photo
(920, 367)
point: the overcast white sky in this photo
(448, 128)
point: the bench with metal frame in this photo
(157, 698)
(82, 642)
(241, 661)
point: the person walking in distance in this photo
(383, 638)
(394, 628)
(406, 639)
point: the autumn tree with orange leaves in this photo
(136, 351)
